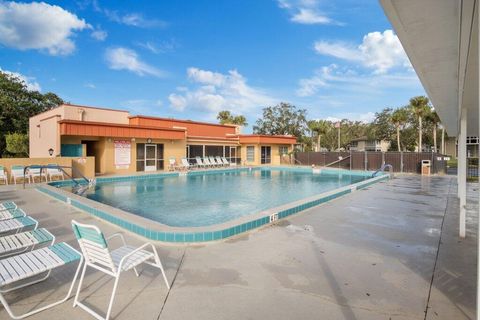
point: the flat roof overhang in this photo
(266, 139)
(100, 129)
(441, 41)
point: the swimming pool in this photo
(209, 205)
(212, 198)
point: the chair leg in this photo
(160, 266)
(136, 271)
(75, 301)
(110, 305)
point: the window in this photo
(250, 153)
(266, 155)
(472, 140)
(283, 150)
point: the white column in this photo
(478, 220)
(462, 169)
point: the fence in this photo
(369, 160)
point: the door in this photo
(233, 155)
(266, 155)
(150, 157)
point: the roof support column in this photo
(462, 170)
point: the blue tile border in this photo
(206, 236)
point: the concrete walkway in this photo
(387, 252)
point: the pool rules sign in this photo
(122, 153)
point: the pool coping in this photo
(157, 231)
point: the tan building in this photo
(122, 143)
(365, 144)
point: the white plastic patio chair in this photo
(172, 164)
(54, 171)
(215, 163)
(20, 242)
(3, 174)
(36, 172)
(28, 265)
(7, 205)
(17, 172)
(97, 255)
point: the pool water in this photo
(213, 198)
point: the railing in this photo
(337, 161)
(382, 169)
(78, 188)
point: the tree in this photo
(17, 144)
(321, 128)
(420, 107)
(435, 120)
(18, 104)
(226, 117)
(399, 118)
(282, 119)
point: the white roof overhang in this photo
(440, 38)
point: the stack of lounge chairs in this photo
(29, 254)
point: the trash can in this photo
(426, 164)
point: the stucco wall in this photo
(275, 154)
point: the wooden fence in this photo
(369, 160)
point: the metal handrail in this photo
(337, 161)
(382, 169)
(61, 168)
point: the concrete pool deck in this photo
(389, 251)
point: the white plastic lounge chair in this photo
(219, 161)
(17, 172)
(3, 174)
(21, 242)
(200, 164)
(226, 162)
(54, 172)
(216, 164)
(186, 164)
(11, 214)
(7, 205)
(36, 172)
(98, 256)
(17, 225)
(34, 263)
(207, 162)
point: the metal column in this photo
(462, 170)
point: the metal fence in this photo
(370, 160)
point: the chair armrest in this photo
(117, 235)
(125, 257)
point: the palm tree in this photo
(399, 118)
(419, 106)
(435, 119)
(226, 117)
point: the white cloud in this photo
(90, 85)
(38, 25)
(99, 34)
(127, 59)
(216, 91)
(378, 51)
(163, 47)
(345, 79)
(29, 82)
(305, 12)
(352, 116)
(134, 19)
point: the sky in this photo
(192, 59)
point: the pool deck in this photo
(389, 251)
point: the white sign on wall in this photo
(122, 153)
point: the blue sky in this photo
(191, 59)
